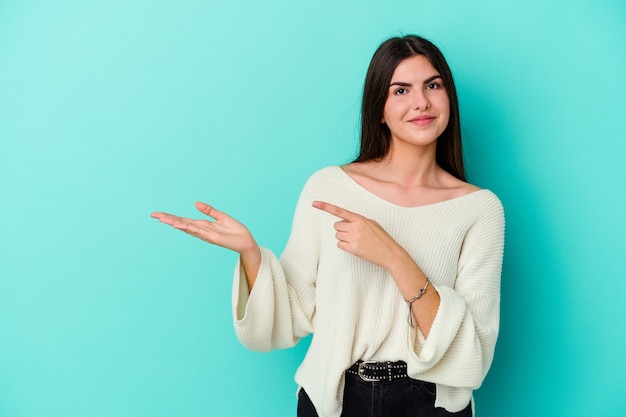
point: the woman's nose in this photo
(420, 101)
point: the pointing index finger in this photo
(335, 210)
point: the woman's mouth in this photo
(422, 120)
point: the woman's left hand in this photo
(362, 237)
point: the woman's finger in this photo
(336, 211)
(342, 226)
(157, 215)
(209, 210)
(342, 236)
(165, 218)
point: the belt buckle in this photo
(365, 377)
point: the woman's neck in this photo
(410, 169)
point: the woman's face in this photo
(417, 109)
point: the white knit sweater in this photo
(354, 308)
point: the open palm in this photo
(224, 231)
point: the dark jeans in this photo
(402, 398)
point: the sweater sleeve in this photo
(281, 306)
(460, 346)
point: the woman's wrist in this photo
(408, 276)
(399, 262)
(251, 262)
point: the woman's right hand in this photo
(224, 231)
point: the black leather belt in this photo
(372, 371)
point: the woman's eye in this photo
(401, 91)
(433, 86)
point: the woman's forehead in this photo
(417, 68)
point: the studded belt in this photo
(372, 371)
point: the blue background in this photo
(111, 110)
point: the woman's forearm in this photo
(410, 280)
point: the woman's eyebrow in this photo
(401, 84)
(405, 84)
(433, 78)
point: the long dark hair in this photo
(375, 136)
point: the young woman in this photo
(393, 262)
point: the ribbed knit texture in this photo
(354, 308)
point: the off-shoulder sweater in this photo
(354, 308)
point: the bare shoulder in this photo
(358, 169)
(364, 173)
(450, 187)
(458, 187)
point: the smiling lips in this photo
(424, 120)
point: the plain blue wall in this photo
(110, 110)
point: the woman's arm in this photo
(461, 342)
(366, 239)
(460, 323)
